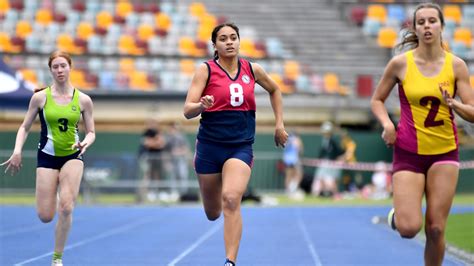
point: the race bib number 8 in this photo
(236, 94)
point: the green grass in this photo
(283, 200)
(460, 199)
(460, 231)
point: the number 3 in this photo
(236, 94)
(63, 124)
(430, 119)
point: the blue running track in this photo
(168, 236)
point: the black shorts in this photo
(55, 162)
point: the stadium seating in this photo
(158, 33)
(387, 37)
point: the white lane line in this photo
(196, 244)
(309, 243)
(28, 229)
(115, 231)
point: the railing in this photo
(127, 172)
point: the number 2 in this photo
(236, 94)
(430, 119)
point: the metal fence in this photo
(119, 172)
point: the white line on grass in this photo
(196, 244)
(312, 250)
(92, 239)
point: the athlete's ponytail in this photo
(39, 89)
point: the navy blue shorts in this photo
(210, 158)
(55, 162)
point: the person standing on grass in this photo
(222, 92)
(425, 155)
(60, 165)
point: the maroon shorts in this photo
(408, 161)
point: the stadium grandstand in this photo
(136, 58)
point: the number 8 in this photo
(236, 94)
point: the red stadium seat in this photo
(357, 15)
(79, 6)
(364, 85)
(17, 4)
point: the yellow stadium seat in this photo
(162, 21)
(331, 83)
(377, 12)
(84, 30)
(387, 37)
(247, 48)
(44, 16)
(204, 32)
(463, 35)
(126, 65)
(187, 66)
(123, 8)
(5, 44)
(104, 19)
(197, 9)
(126, 44)
(187, 46)
(23, 28)
(139, 81)
(145, 31)
(65, 42)
(78, 78)
(208, 20)
(471, 80)
(29, 75)
(343, 90)
(292, 69)
(279, 81)
(452, 12)
(4, 6)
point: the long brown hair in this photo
(409, 37)
(217, 29)
(53, 56)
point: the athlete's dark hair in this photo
(218, 28)
(409, 37)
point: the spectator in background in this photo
(381, 183)
(293, 167)
(326, 177)
(425, 142)
(60, 164)
(150, 154)
(180, 156)
(349, 146)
